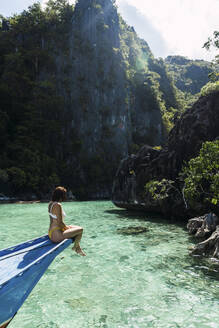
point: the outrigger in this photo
(21, 267)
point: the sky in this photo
(170, 27)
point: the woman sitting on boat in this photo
(58, 230)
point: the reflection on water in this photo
(140, 279)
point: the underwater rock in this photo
(82, 303)
(123, 258)
(132, 230)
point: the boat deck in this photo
(21, 267)
(17, 259)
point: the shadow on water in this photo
(145, 216)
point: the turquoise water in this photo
(125, 281)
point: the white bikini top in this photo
(53, 216)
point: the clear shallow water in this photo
(126, 281)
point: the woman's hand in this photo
(66, 227)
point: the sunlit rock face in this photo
(197, 125)
(108, 115)
(100, 113)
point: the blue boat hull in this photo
(21, 267)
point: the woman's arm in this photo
(62, 223)
(58, 212)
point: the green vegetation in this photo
(189, 77)
(210, 87)
(213, 85)
(31, 109)
(201, 176)
(57, 77)
(213, 42)
(41, 145)
(199, 180)
(159, 190)
(151, 84)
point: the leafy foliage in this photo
(159, 189)
(189, 77)
(210, 87)
(151, 84)
(30, 110)
(214, 42)
(201, 175)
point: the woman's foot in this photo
(78, 250)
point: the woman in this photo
(58, 230)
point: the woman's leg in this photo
(75, 231)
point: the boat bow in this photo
(21, 267)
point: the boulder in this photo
(203, 226)
(206, 228)
(208, 247)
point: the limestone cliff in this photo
(112, 100)
(197, 125)
(82, 78)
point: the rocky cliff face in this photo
(197, 125)
(96, 96)
(100, 113)
(110, 108)
(89, 85)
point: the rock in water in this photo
(203, 226)
(206, 226)
(210, 246)
(132, 230)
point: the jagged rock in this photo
(206, 226)
(198, 124)
(132, 230)
(209, 247)
(195, 224)
(203, 226)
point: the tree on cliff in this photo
(28, 103)
(213, 84)
(201, 176)
(213, 42)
